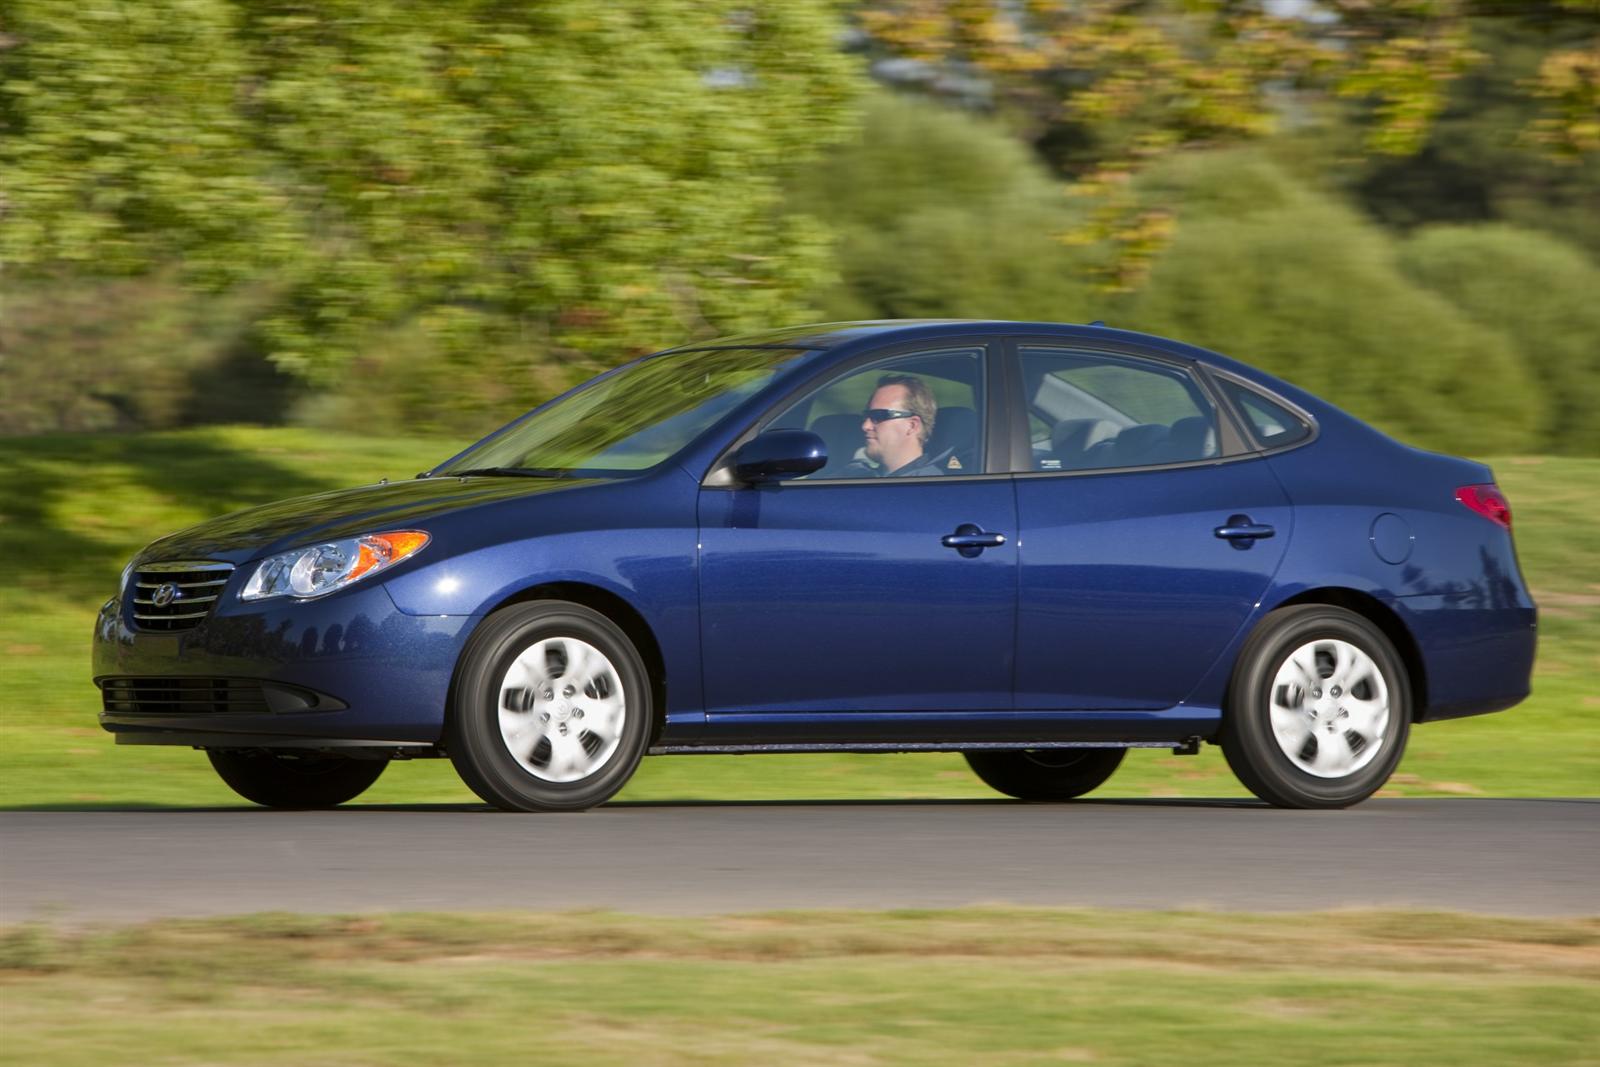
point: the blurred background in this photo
(255, 249)
(382, 215)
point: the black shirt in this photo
(921, 467)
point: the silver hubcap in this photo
(1330, 708)
(561, 709)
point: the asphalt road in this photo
(1512, 857)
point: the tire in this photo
(1319, 709)
(1045, 773)
(552, 709)
(291, 780)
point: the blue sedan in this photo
(1038, 545)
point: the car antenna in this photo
(1098, 322)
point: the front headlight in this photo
(324, 568)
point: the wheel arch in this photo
(1384, 618)
(613, 607)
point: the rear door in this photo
(1147, 532)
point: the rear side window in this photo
(1088, 411)
(1272, 424)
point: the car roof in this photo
(831, 335)
(822, 335)
(836, 336)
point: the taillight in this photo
(1488, 501)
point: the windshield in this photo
(632, 420)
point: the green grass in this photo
(74, 508)
(993, 986)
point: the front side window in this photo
(915, 416)
(1088, 411)
(632, 420)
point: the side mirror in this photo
(779, 454)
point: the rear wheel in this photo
(292, 780)
(1319, 709)
(552, 710)
(1046, 773)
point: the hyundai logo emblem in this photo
(164, 595)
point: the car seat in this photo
(1190, 439)
(842, 434)
(1139, 446)
(955, 437)
(1071, 440)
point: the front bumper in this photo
(348, 669)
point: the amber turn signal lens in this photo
(378, 550)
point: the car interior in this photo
(833, 412)
(1089, 412)
(1086, 411)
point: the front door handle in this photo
(970, 540)
(1242, 531)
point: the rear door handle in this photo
(1242, 531)
(971, 540)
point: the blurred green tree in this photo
(80, 353)
(1489, 155)
(1105, 87)
(1538, 293)
(588, 180)
(1288, 279)
(941, 213)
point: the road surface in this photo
(1510, 857)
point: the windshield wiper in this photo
(511, 472)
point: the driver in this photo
(897, 424)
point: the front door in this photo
(882, 584)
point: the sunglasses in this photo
(878, 415)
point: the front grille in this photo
(182, 696)
(176, 596)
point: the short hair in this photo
(919, 400)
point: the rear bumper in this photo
(1476, 658)
(351, 668)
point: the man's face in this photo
(891, 439)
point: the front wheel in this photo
(552, 709)
(291, 780)
(1319, 709)
(1045, 773)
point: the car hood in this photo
(303, 520)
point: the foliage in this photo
(585, 180)
(446, 371)
(1484, 158)
(1283, 277)
(1134, 80)
(940, 213)
(1569, 85)
(1539, 295)
(1145, 76)
(438, 216)
(129, 353)
(1107, 86)
(123, 145)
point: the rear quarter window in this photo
(1272, 424)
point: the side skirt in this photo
(1187, 747)
(941, 731)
